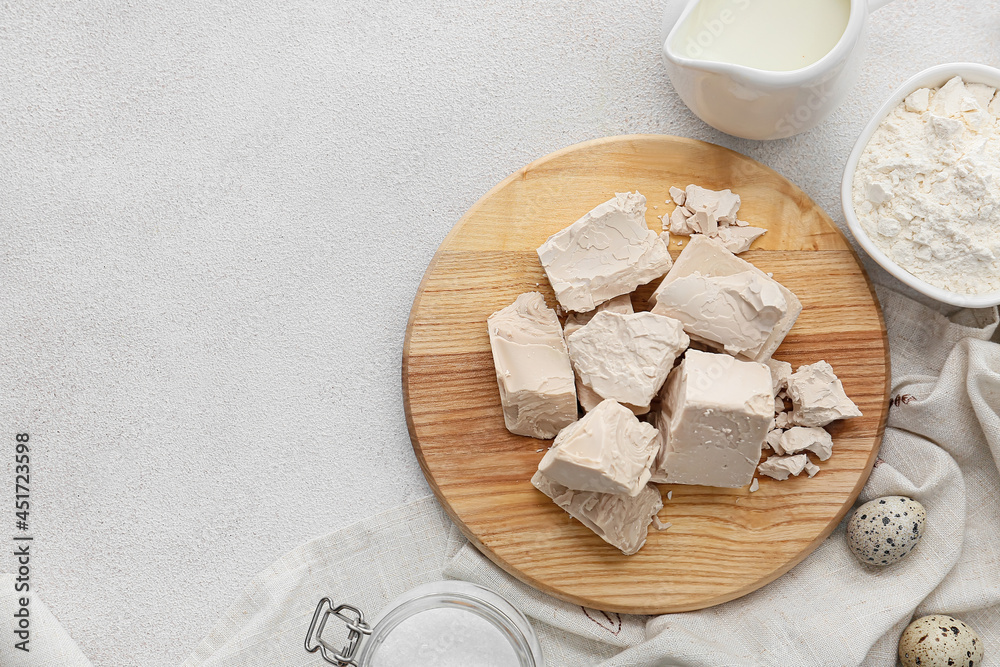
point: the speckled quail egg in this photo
(884, 530)
(940, 641)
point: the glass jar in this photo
(440, 624)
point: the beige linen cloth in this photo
(941, 448)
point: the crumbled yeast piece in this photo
(620, 520)
(660, 525)
(773, 440)
(712, 213)
(590, 399)
(739, 239)
(677, 195)
(818, 396)
(679, 222)
(608, 252)
(780, 372)
(754, 485)
(721, 205)
(780, 467)
(608, 451)
(537, 386)
(703, 223)
(807, 439)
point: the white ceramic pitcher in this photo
(761, 104)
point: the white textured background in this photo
(213, 219)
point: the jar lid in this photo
(440, 624)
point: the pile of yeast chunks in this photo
(684, 394)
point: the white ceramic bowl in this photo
(929, 78)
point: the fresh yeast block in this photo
(726, 302)
(608, 450)
(626, 357)
(537, 386)
(620, 520)
(715, 413)
(606, 253)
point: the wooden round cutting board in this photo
(723, 543)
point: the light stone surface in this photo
(191, 192)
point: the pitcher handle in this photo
(875, 5)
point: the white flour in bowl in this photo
(927, 187)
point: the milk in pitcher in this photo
(773, 35)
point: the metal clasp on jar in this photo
(357, 629)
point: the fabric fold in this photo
(48, 643)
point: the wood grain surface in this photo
(723, 543)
